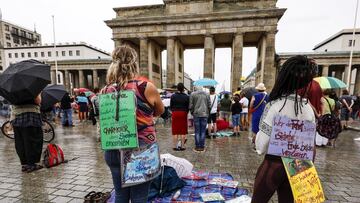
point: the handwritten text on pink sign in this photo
(292, 138)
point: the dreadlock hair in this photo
(296, 73)
(123, 67)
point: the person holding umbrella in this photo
(28, 133)
(50, 96)
(83, 102)
(21, 84)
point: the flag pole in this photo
(348, 79)
(55, 56)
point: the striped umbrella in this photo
(330, 83)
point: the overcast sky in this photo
(305, 24)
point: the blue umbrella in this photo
(206, 82)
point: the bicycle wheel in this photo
(7, 130)
(48, 131)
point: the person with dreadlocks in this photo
(284, 100)
(122, 75)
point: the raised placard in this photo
(118, 128)
(292, 138)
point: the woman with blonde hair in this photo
(122, 75)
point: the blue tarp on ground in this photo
(199, 183)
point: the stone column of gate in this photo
(67, 80)
(325, 70)
(144, 58)
(76, 79)
(209, 56)
(53, 77)
(170, 46)
(357, 82)
(237, 53)
(347, 74)
(81, 78)
(95, 78)
(269, 66)
(338, 75)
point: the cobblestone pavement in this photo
(339, 168)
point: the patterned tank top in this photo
(144, 110)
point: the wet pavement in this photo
(339, 168)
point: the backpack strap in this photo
(262, 100)
(212, 105)
(331, 110)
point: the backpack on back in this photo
(53, 156)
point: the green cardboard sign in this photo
(121, 133)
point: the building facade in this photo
(47, 52)
(12, 35)
(341, 41)
(177, 25)
(79, 64)
(333, 57)
(87, 73)
(334, 64)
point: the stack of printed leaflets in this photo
(210, 197)
(223, 182)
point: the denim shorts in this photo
(236, 120)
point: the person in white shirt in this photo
(167, 113)
(296, 73)
(244, 113)
(213, 112)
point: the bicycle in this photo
(48, 130)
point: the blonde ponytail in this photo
(123, 66)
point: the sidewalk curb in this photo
(354, 129)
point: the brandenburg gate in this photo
(177, 25)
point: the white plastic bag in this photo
(262, 142)
(182, 166)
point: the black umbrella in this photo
(51, 95)
(249, 92)
(23, 81)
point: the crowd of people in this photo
(209, 112)
(86, 106)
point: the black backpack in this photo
(329, 125)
